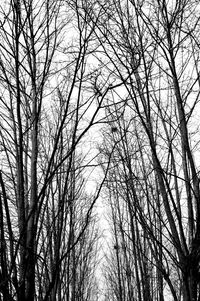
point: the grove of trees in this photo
(99, 106)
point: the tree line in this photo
(126, 72)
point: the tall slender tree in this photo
(152, 50)
(48, 106)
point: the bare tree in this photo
(48, 105)
(152, 49)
